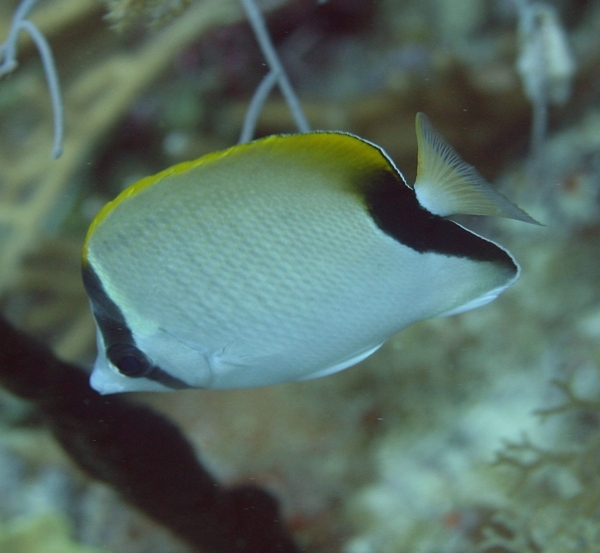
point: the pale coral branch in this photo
(256, 105)
(8, 54)
(261, 32)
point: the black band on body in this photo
(397, 212)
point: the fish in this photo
(287, 258)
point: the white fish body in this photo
(284, 259)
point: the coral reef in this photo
(433, 444)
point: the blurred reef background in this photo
(478, 433)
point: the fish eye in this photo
(129, 360)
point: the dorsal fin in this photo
(447, 185)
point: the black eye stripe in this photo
(129, 360)
(109, 317)
(121, 349)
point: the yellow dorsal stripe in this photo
(140, 185)
(341, 153)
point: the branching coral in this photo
(557, 492)
(275, 75)
(8, 54)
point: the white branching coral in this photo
(8, 63)
(276, 75)
(120, 13)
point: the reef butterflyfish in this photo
(283, 259)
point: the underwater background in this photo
(475, 433)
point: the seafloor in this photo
(474, 433)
